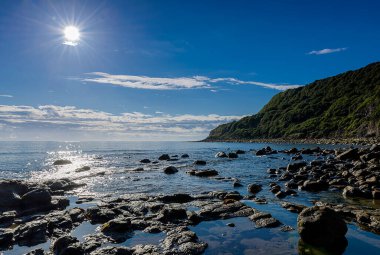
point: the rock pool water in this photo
(111, 174)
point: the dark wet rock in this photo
(138, 169)
(67, 245)
(61, 162)
(194, 218)
(350, 154)
(276, 188)
(203, 173)
(265, 151)
(233, 196)
(232, 155)
(164, 157)
(185, 155)
(350, 191)
(76, 214)
(182, 241)
(315, 186)
(296, 165)
(176, 198)
(281, 194)
(172, 215)
(322, 226)
(292, 184)
(170, 170)
(297, 157)
(6, 238)
(100, 215)
(260, 200)
(116, 225)
(292, 151)
(83, 169)
(7, 218)
(36, 198)
(254, 188)
(145, 161)
(231, 224)
(290, 192)
(113, 251)
(291, 207)
(31, 233)
(11, 192)
(240, 152)
(221, 154)
(36, 252)
(200, 162)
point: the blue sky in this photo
(167, 70)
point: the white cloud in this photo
(156, 83)
(75, 123)
(6, 96)
(325, 51)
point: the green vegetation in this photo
(343, 106)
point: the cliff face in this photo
(343, 106)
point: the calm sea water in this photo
(111, 164)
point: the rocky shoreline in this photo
(35, 212)
(322, 141)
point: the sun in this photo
(72, 35)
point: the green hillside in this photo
(343, 106)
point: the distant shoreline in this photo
(348, 141)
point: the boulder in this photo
(67, 245)
(61, 162)
(185, 156)
(296, 165)
(145, 161)
(322, 226)
(232, 155)
(164, 157)
(117, 225)
(350, 154)
(203, 173)
(176, 198)
(200, 162)
(31, 233)
(315, 186)
(350, 191)
(240, 152)
(36, 198)
(11, 192)
(254, 188)
(170, 170)
(82, 169)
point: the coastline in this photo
(322, 141)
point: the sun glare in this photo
(72, 35)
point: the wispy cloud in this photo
(325, 51)
(156, 83)
(97, 125)
(10, 96)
